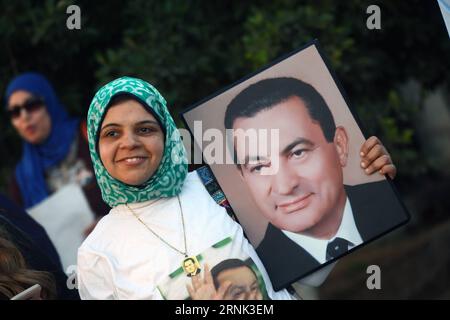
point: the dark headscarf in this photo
(30, 171)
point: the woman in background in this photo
(23, 263)
(55, 150)
(15, 277)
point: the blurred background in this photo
(396, 79)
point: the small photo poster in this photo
(222, 272)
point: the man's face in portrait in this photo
(189, 266)
(244, 284)
(307, 188)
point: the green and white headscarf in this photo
(168, 179)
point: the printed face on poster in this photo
(290, 167)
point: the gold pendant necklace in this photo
(190, 265)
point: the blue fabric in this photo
(445, 10)
(205, 175)
(214, 190)
(30, 171)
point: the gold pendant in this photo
(191, 266)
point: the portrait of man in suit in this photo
(191, 266)
(243, 280)
(313, 217)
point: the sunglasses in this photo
(31, 105)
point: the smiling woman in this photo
(55, 150)
(131, 142)
(162, 217)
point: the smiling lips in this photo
(132, 161)
(296, 204)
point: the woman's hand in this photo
(204, 289)
(374, 157)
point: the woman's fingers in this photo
(376, 165)
(374, 157)
(390, 170)
(368, 144)
(191, 291)
(376, 152)
(384, 166)
(208, 276)
(196, 282)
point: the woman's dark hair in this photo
(124, 96)
(16, 277)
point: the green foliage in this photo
(392, 119)
(190, 49)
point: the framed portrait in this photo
(284, 145)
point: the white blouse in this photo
(122, 259)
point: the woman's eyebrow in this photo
(109, 125)
(148, 122)
(137, 123)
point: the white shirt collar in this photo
(318, 247)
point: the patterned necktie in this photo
(337, 247)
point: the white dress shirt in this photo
(318, 247)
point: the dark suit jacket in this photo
(376, 210)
